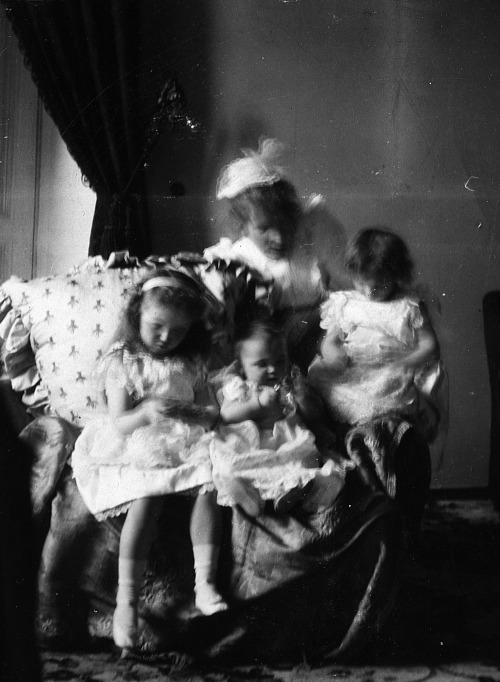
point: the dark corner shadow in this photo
(19, 659)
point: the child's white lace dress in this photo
(372, 385)
(112, 469)
(275, 460)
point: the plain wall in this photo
(65, 206)
(389, 110)
(49, 209)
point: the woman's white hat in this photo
(255, 169)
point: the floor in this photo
(446, 626)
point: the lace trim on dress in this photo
(344, 311)
(138, 370)
(123, 508)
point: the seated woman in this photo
(297, 566)
(267, 212)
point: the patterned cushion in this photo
(67, 321)
(17, 355)
(54, 329)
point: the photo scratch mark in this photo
(466, 185)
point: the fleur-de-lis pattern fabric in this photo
(61, 326)
(54, 330)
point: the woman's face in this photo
(272, 234)
(163, 327)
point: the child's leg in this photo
(206, 530)
(245, 496)
(135, 542)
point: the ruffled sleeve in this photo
(235, 389)
(223, 249)
(332, 311)
(111, 370)
(415, 316)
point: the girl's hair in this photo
(256, 328)
(377, 253)
(184, 294)
(279, 198)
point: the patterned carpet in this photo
(446, 626)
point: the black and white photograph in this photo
(250, 340)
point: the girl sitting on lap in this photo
(380, 358)
(264, 451)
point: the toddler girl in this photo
(268, 212)
(380, 350)
(264, 451)
(380, 360)
(155, 440)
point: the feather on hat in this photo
(255, 169)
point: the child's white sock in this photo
(130, 576)
(207, 598)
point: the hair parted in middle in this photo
(184, 294)
(376, 252)
(257, 328)
(279, 199)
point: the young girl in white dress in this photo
(380, 352)
(264, 451)
(380, 364)
(268, 214)
(155, 441)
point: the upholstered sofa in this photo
(319, 586)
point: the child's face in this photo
(162, 328)
(272, 234)
(263, 360)
(375, 288)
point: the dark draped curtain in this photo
(84, 58)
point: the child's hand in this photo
(271, 408)
(268, 396)
(154, 410)
(334, 353)
(192, 413)
(178, 410)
